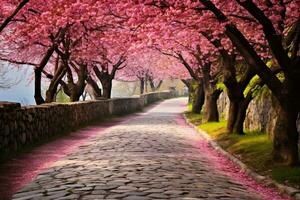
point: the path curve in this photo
(154, 155)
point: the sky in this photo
(23, 92)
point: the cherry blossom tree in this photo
(73, 43)
(61, 28)
(273, 21)
(259, 30)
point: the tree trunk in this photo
(50, 94)
(191, 93)
(238, 127)
(107, 86)
(52, 90)
(146, 84)
(37, 87)
(159, 85)
(142, 86)
(198, 100)
(38, 76)
(74, 95)
(76, 91)
(237, 115)
(232, 115)
(238, 104)
(96, 91)
(152, 86)
(211, 113)
(286, 137)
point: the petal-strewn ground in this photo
(154, 155)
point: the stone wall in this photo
(261, 113)
(24, 125)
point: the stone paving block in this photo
(151, 156)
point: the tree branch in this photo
(273, 38)
(10, 18)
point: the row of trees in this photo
(239, 45)
(72, 44)
(231, 42)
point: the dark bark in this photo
(11, 17)
(286, 137)
(37, 87)
(142, 85)
(237, 109)
(158, 85)
(107, 86)
(106, 77)
(198, 100)
(146, 83)
(210, 112)
(188, 84)
(76, 89)
(232, 115)
(38, 76)
(238, 126)
(212, 94)
(97, 92)
(190, 69)
(106, 82)
(152, 84)
(55, 81)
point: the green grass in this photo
(189, 107)
(194, 118)
(253, 148)
(288, 175)
(215, 129)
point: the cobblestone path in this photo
(150, 156)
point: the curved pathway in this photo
(153, 155)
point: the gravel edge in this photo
(293, 192)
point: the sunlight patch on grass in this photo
(189, 107)
(214, 129)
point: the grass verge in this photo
(254, 149)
